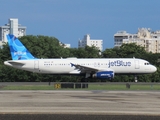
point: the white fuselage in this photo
(63, 66)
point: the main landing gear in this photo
(85, 78)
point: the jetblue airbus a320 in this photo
(90, 68)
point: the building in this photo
(65, 45)
(146, 38)
(90, 42)
(11, 28)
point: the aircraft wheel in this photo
(135, 79)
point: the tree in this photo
(131, 50)
(88, 52)
(111, 53)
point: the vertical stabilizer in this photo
(17, 49)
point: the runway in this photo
(81, 103)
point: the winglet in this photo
(17, 49)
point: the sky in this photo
(70, 20)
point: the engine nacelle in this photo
(104, 75)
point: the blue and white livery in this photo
(17, 49)
(94, 67)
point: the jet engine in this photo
(104, 75)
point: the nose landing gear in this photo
(135, 79)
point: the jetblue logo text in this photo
(19, 53)
(118, 63)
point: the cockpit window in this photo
(146, 64)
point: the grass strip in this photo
(90, 87)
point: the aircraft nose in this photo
(154, 69)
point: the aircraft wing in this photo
(84, 68)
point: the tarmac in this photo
(79, 104)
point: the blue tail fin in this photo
(17, 49)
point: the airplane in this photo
(101, 68)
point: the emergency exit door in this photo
(137, 66)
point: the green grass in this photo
(123, 87)
(28, 87)
(91, 87)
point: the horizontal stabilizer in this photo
(14, 63)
